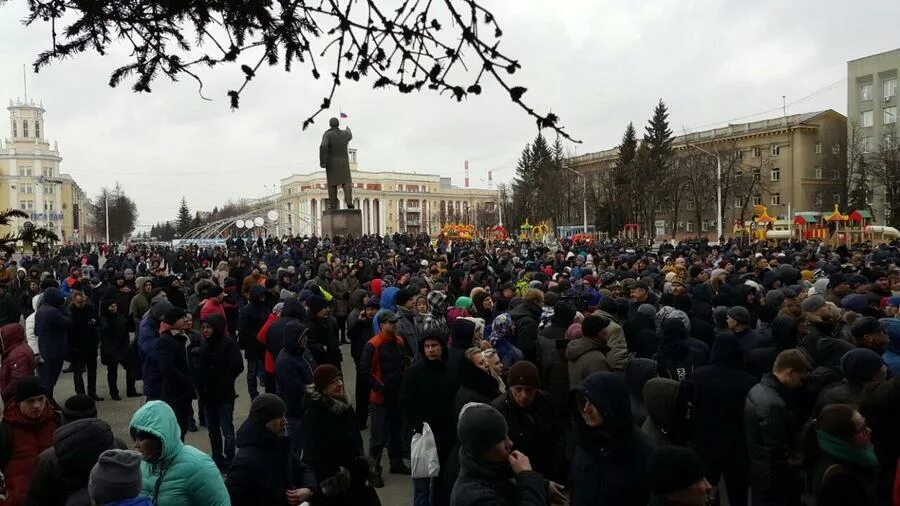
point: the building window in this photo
(775, 150)
(48, 205)
(775, 199)
(865, 91)
(24, 128)
(888, 142)
(836, 149)
(866, 144)
(690, 205)
(737, 202)
(690, 226)
(26, 188)
(819, 198)
(757, 152)
(48, 189)
(818, 148)
(47, 171)
(27, 205)
(756, 173)
(37, 129)
(865, 119)
(15, 129)
(757, 200)
(776, 174)
(890, 88)
(890, 115)
(739, 154)
(25, 170)
(818, 172)
(835, 174)
(836, 197)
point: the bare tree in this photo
(446, 46)
(698, 172)
(886, 174)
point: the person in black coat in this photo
(640, 332)
(83, 342)
(220, 365)
(784, 337)
(114, 349)
(533, 428)
(294, 368)
(324, 340)
(171, 355)
(332, 444)
(611, 454)
(291, 313)
(718, 417)
(526, 316)
(251, 318)
(265, 470)
(476, 384)
(360, 331)
(426, 396)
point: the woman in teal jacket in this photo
(174, 474)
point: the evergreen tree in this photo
(183, 221)
(657, 181)
(628, 147)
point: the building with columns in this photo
(30, 178)
(390, 202)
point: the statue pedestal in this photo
(341, 222)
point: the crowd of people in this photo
(588, 373)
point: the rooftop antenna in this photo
(784, 105)
(25, 82)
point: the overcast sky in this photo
(598, 64)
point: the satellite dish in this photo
(239, 224)
(258, 221)
(272, 215)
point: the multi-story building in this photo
(872, 109)
(390, 202)
(795, 161)
(30, 177)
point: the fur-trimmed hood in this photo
(328, 403)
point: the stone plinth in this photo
(337, 222)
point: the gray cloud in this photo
(598, 64)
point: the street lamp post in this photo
(106, 205)
(718, 189)
(584, 196)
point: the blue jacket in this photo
(148, 339)
(891, 359)
(51, 326)
(189, 476)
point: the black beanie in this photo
(174, 314)
(267, 407)
(29, 387)
(480, 427)
(79, 406)
(672, 468)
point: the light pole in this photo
(106, 204)
(718, 189)
(584, 196)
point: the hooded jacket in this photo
(291, 314)
(665, 401)
(220, 365)
(18, 359)
(182, 475)
(536, 432)
(586, 356)
(427, 395)
(113, 335)
(526, 317)
(294, 369)
(609, 462)
(51, 325)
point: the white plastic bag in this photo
(424, 456)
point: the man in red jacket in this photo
(214, 304)
(383, 362)
(27, 429)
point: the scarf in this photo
(840, 449)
